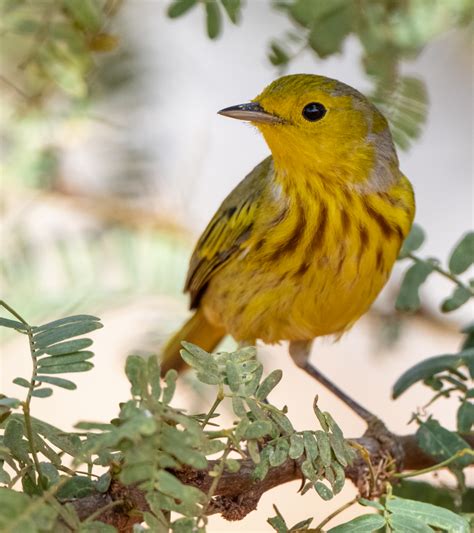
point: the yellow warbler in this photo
(303, 245)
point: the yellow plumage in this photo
(303, 245)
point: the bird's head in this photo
(323, 125)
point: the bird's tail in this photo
(196, 330)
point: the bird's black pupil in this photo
(314, 111)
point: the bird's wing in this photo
(227, 232)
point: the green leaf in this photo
(462, 256)
(65, 360)
(408, 297)
(213, 18)
(371, 503)
(280, 453)
(465, 417)
(302, 525)
(424, 370)
(179, 7)
(460, 296)
(76, 487)
(277, 56)
(21, 513)
(65, 369)
(441, 443)
(63, 321)
(436, 495)
(59, 382)
(310, 446)
(232, 8)
(86, 13)
(467, 355)
(337, 446)
(233, 376)
(408, 524)
(13, 439)
(154, 376)
(103, 483)
(254, 451)
(324, 491)
(361, 524)
(22, 382)
(324, 447)
(135, 369)
(42, 393)
(10, 402)
(258, 429)
(50, 473)
(278, 522)
(414, 240)
(170, 380)
(238, 406)
(296, 446)
(283, 421)
(330, 30)
(47, 338)
(428, 514)
(268, 384)
(13, 324)
(64, 348)
(170, 485)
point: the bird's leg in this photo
(299, 351)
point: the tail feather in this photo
(196, 330)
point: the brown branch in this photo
(238, 494)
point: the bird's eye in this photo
(314, 111)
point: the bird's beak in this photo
(252, 112)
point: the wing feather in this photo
(227, 232)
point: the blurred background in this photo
(113, 160)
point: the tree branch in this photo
(238, 494)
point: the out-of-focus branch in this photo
(238, 494)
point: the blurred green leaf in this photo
(86, 13)
(425, 369)
(65, 360)
(408, 297)
(232, 8)
(76, 487)
(180, 7)
(462, 257)
(329, 30)
(441, 443)
(459, 297)
(428, 514)
(23, 513)
(65, 369)
(414, 240)
(361, 524)
(278, 55)
(465, 417)
(408, 524)
(13, 324)
(213, 18)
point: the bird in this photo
(305, 242)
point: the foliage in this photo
(150, 441)
(388, 31)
